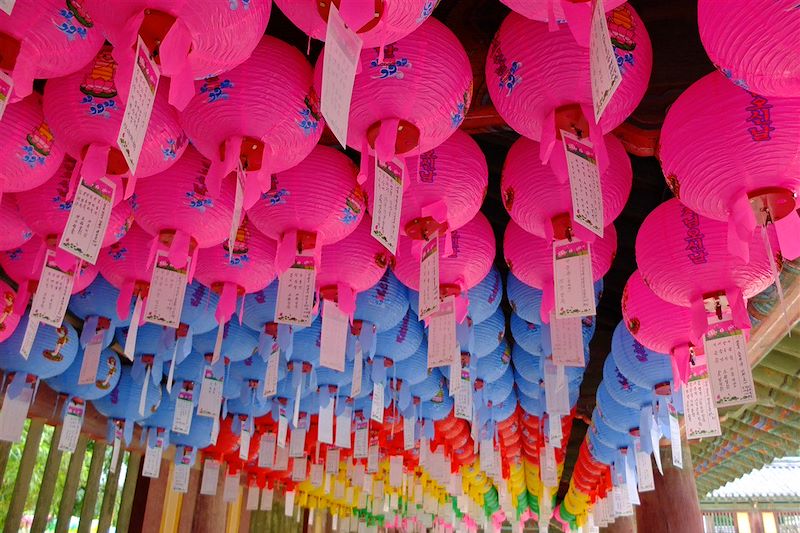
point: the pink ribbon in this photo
(22, 75)
(597, 138)
(363, 166)
(741, 318)
(346, 299)
(699, 321)
(547, 136)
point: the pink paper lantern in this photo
(317, 203)
(683, 257)
(127, 265)
(658, 325)
(451, 185)
(409, 97)
(46, 39)
(350, 266)
(177, 209)
(85, 110)
(29, 153)
(530, 259)
(539, 80)
(539, 199)
(192, 40)
(263, 113)
(24, 266)
(577, 14)
(46, 208)
(473, 248)
(377, 24)
(754, 43)
(248, 266)
(13, 229)
(732, 156)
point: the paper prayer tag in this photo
(266, 450)
(230, 489)
(91, 360)
(603, 68)
(699, 411)
(152, 458)
(584, 183)
(139, 107)
(358, 371)
(50, 301)
(388, 203)
(429, 299)
(88, 219)
(167, 289)
(442, 341)
(566, 338)
(342, 53)
(572, 279)
(271, 377)
(253, 497)
(180, 478)
(71, 428)
(296, 291)
(333, 340)
(210, 400)
(184, 410)
(729, 368)
(644, 470)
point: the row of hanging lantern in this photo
(701, 256)
(561, 239)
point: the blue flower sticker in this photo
(67, 27)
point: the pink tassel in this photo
(548, 302)
(95, 163)
(597, 138)
(346, 300)
(221, 168)
(363, 167)
(287, 251)
(741, 224)
(357, 13)
(227, 303)
(179, 249)
(788, 232)
(699, 321)
(124, 300)
(547, 136)
(387, 138)
(738, 308)
(552, 23)
(681, 358)
(579, 19)
(174, 54)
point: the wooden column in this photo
(23, 481)
(128, 491)
(48, 486)
(156, 494)
(673, 506)
(211, 511)
(5, 450)
(92, 487)
(623, 524)
(109, 497)
(189, 504)
(71, 484)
